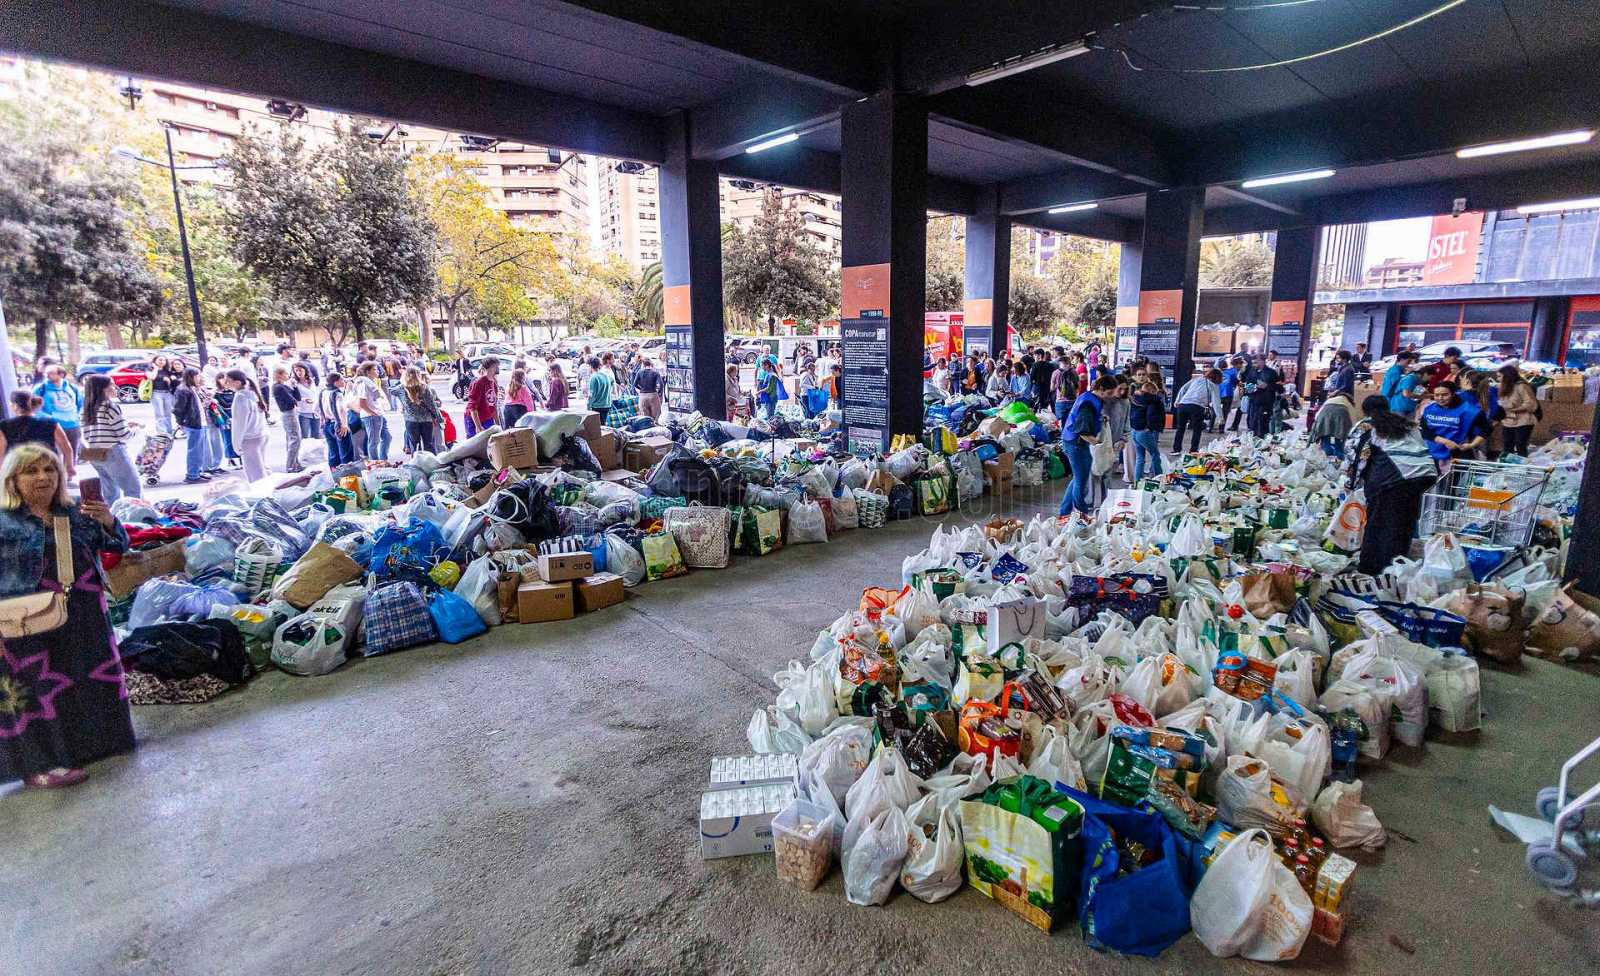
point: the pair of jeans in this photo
(1081, 462)
(419, 434)
(197, 453)
(162, 401)
(768, 408)
(228, 449)
(291, 442)
(1062, 408)
(310, 429)
(375, 428)
(117, 477)
(1146, 443)
(1515, 439)
(1221, 421)
(1191, 417)
(340, 449)
(1333, 447)
(214, 448)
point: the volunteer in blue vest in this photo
(1081, 430)
(1453, 427)
(63, 402)
(1401, 386)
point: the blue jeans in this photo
(1062, 408)
(196, 453)
(376, 428)
(1081, 461)
(117, 477)
(1145, 442)
(227, 443)
(767, 407)
(1333, 447)
(340, 449)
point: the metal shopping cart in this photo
(1486, 504)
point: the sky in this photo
(1406, 239)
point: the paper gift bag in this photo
(1268, 593)
(1568, 627)
(881, 482)
(1014, 621)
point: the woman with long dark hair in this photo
(1521, 408)
(248, 421)
(105, 439)
(1392, 464)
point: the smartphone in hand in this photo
(89, 490)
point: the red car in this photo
(128, 377)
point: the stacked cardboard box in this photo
(567, 586)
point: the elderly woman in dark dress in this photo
(63, 703)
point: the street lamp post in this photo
(183, 243)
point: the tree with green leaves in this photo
(338, 228)
(66, 254)
(1084, 272)
(946, 264)
(1235, 262)
(773, 270)
(649, 296)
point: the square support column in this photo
(987, 295)
(1294, 289)
(1125, 331)
(691, 276)
(1169, 279)
(884, 245)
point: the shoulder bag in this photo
(46, 610)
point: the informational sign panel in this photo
(978, 339)
(1127, 345)
(1159, 344)
(1453, 249)
(680, 368)
(864, 390)
(1285, 341)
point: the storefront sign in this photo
(680, 368)
(864, 388)
(1453, 249)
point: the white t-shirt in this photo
(366, 389)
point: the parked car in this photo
(1478, 353)
(128, 378)
(107, 360)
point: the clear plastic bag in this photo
(1248, 904)
(802, 844)
(874, 855)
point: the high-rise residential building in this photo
(1343, 260)
(742, 200)
(1042, 247)
(630, 212)
(539, 188)
(1394, 273)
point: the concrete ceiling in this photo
(1128, 116)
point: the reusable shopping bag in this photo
(662, 560)
(1140, 913)
(454, 618)
(396, 618)
(933, 495)
(309, 644)
(1023, 846)
(1249, 904)
(701, 533)
(763, 530)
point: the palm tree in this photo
(650, 301)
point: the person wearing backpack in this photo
(767, 387)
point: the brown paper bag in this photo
(881, 482)
(506, 595)
(1268, 593)
(1569, 622)
(1494, 620)
(321, 569)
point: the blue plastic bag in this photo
(454, 617)
(408, 551)
(1141, 913)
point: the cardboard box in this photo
(739, 820)
(563, 567)
(539, 602)
(501, 478)
(1566, 393)
(515, 448)
(591, 425)
(994, 427)
(642, 453)
(138, 565)
(607, 448)
(598, 592)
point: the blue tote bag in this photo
(1142, 913)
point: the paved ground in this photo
(526, 803)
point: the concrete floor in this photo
(526, 803)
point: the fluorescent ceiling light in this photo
(1027, 62)
(764, 144)
(1074, 207)
(1315, 174)
(1587, 203)
(1523, 145)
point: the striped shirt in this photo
(108, 429)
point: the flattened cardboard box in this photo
(138, 565)
(541, 602)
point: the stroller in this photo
(152, 456)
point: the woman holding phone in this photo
(65, 705)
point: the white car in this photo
(1473, 351)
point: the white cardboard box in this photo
(738, 820)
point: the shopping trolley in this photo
(1486, 504)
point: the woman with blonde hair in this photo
(62, 704)
(519, 399)
(421, 411)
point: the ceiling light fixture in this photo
(1573, 138)
(1027, 62)
(1587, 203)
(1073, 208)
(766, 144)
(1315, 174)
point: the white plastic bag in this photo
(845, 513)
(1249, 904)
(1160, 684)
(625, 561)
(322, 650)
(935, 852)
(1297, 676)
(917, 607)
(1303, 762)
(1348, 526)
(1190, 540)
(837, 759)
(806, 524)
(1347, 822)
(929, 658)
(1445, 561)
(772, 731)
(480, 586)
(806, 694)
(886, 782)
(1054, 762)
(874, 855)
(1245, 796)
(967, 774)
(1455, 700)
(1372, 707)
(1402, 681)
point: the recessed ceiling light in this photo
(1315, 174)
(1523, 145)
(1073, 208)
(1587, 203)
(764, 144)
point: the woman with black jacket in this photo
(1147, 418)
(1390, 461)
(186, 410)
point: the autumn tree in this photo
(1084, 272)
(1235, 262)
(946, 264)
(338, 228)
(773, 269)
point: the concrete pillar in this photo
(691, 276)
(988, 284)
(1549, 327)
(1130, 264)
(884, 184)
(1169, 278)
(1294, 288)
